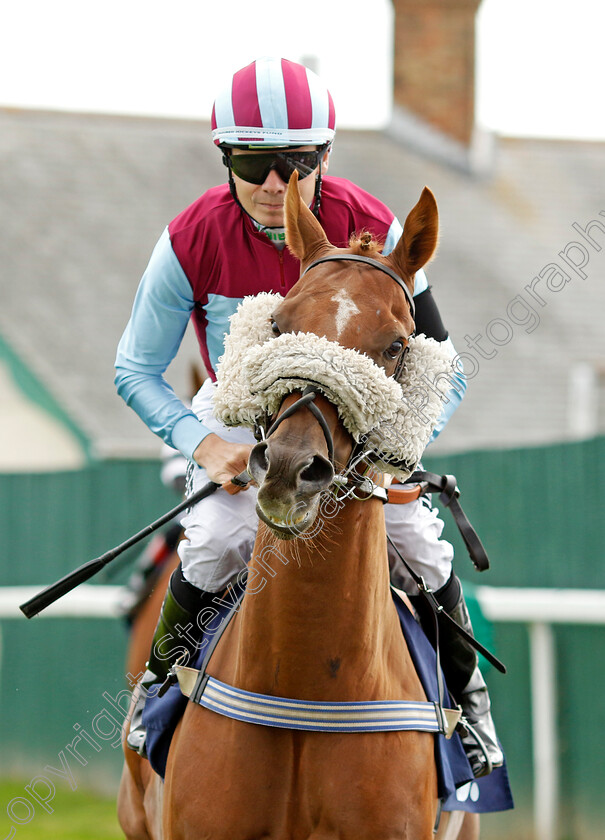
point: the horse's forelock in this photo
(365, 244)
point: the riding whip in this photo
(56, 590)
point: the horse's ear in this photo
(305, 237)
(419, 238)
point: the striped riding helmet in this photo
(273, 102)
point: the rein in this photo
(361, 487)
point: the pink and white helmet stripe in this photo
(274, 102)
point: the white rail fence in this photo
(539, 609)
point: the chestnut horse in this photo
(323, 627)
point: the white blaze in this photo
(346, 308)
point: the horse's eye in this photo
(395, 349)
(274, 328)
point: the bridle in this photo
(348, 483)
(351, 484)
(307, 399)
(354, 484)
(368, 261)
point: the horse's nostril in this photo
(319, 473)
(258, 463)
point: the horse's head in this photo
(363, 307)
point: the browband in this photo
(374, 264)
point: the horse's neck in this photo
(318, 621)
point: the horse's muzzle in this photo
(289, 487)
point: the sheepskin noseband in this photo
(392, 419)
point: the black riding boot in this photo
(460, 665)
(177, 633)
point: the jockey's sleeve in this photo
(159, 318)
(428, 321)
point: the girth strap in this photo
(287, 713)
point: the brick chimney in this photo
(434, 67)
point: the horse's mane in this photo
(365, 244)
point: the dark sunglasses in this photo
(255, 168)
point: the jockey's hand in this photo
(223, 461)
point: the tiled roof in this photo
(84, 198)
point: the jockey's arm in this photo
(159, 318)
(160, 314)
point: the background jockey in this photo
(275, 116)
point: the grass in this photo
(77, 815)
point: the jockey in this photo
(276, 116)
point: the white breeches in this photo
(220, 530)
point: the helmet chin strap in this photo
(232, 189)
(317, 202)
